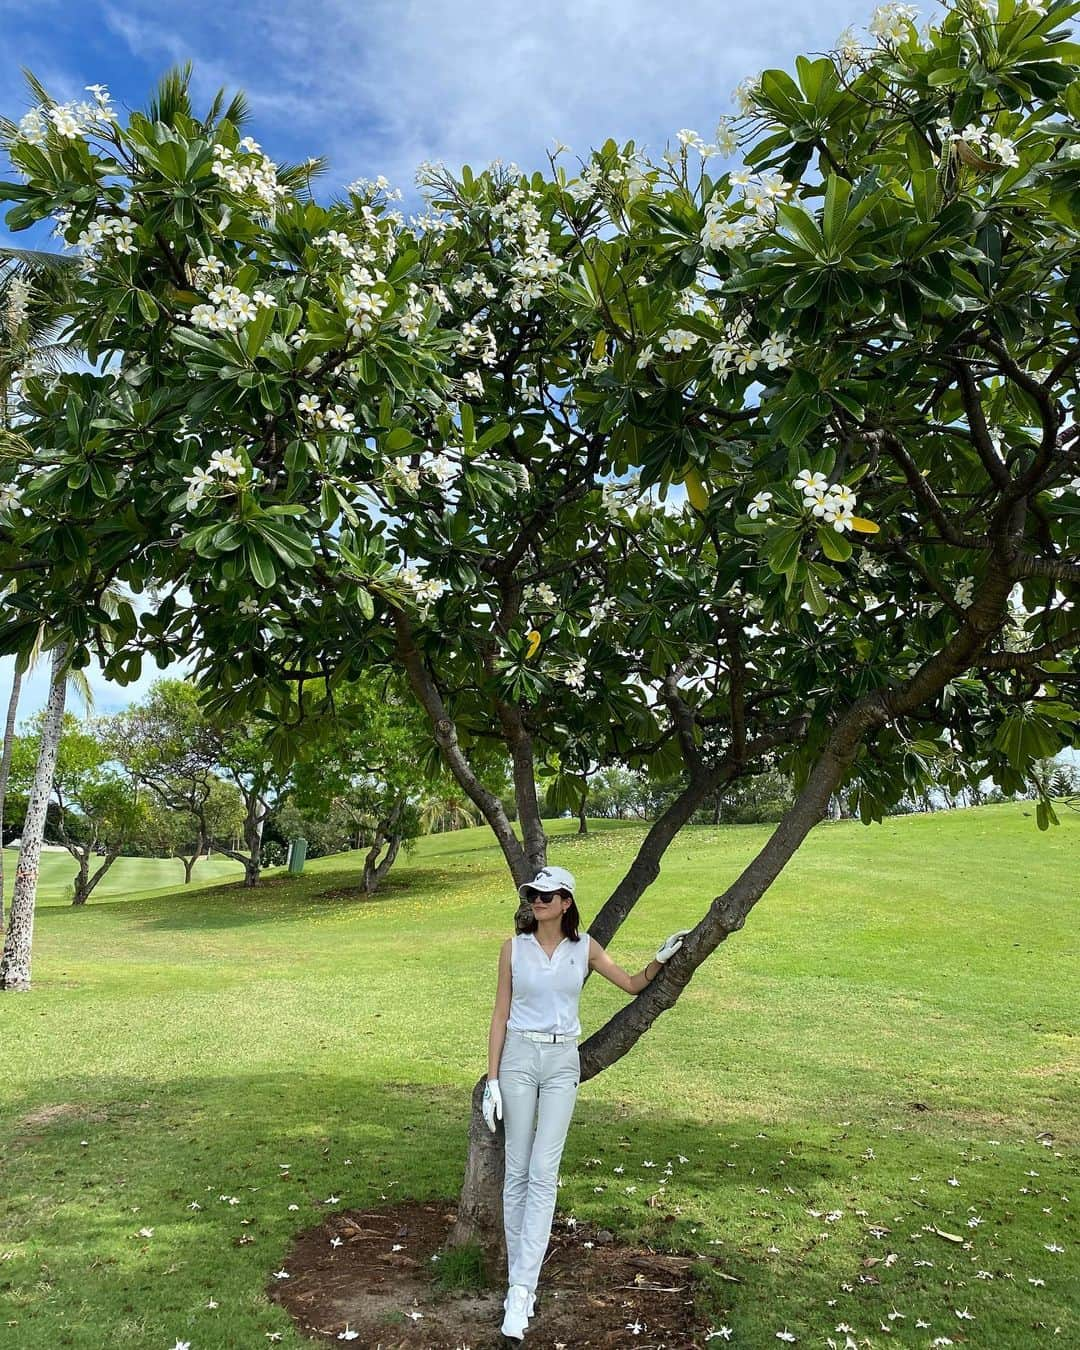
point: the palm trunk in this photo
(15, 963)
(5, 770)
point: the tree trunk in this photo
(479, 1214)
(5, 769)
(386, 831)
(87, 884)
(189, 866)
(253, 830)
(582, 826)
(18, 940)
(82, 889)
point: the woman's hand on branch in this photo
(671, 946)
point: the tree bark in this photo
(85, 883)
(386, 832)
(524, 770)
(427, 694)
(5, 769)
(18, 940)
(480, 1213)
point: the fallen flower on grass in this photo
(348, 1334)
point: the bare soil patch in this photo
(44, 1116)
(586, 1297)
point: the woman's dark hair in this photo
(571, 919)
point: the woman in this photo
(533, 1067)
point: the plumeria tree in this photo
(448, 445)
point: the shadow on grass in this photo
(279, 898)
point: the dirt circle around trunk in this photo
(375, 1288)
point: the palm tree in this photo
(24, 664)
(447, 812)
(15, 962)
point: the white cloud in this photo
(383, 85)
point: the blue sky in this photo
(377, 86)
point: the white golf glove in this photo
(492, 1104)
(671, 945)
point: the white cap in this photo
(549, 879)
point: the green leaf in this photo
(260, 562)
(468, 425)
(837, 192)
(783, 554)
(801, 227)
(833, 544)
(147, 306)
(257, 330)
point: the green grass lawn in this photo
(872, 1058)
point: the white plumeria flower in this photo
(785, 1335)
(678, 340)
(810, 484)
(339, 419)
(309, 403)
(211, 1303)
(226, 462)
(348, 1334)
(281, 1274)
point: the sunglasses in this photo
(540, 897)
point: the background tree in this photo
(15, 962)
(245, 759)
(98, 812)
(169, 747)
(367, 761)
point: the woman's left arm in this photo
(611, 970)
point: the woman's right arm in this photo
(501, 1015)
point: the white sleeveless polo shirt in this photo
(546, 990)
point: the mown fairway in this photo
(882, 1044)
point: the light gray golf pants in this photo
(538, 1082)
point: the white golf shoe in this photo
(531, 1307)
(518, 1306)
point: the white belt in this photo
(547, 1037)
